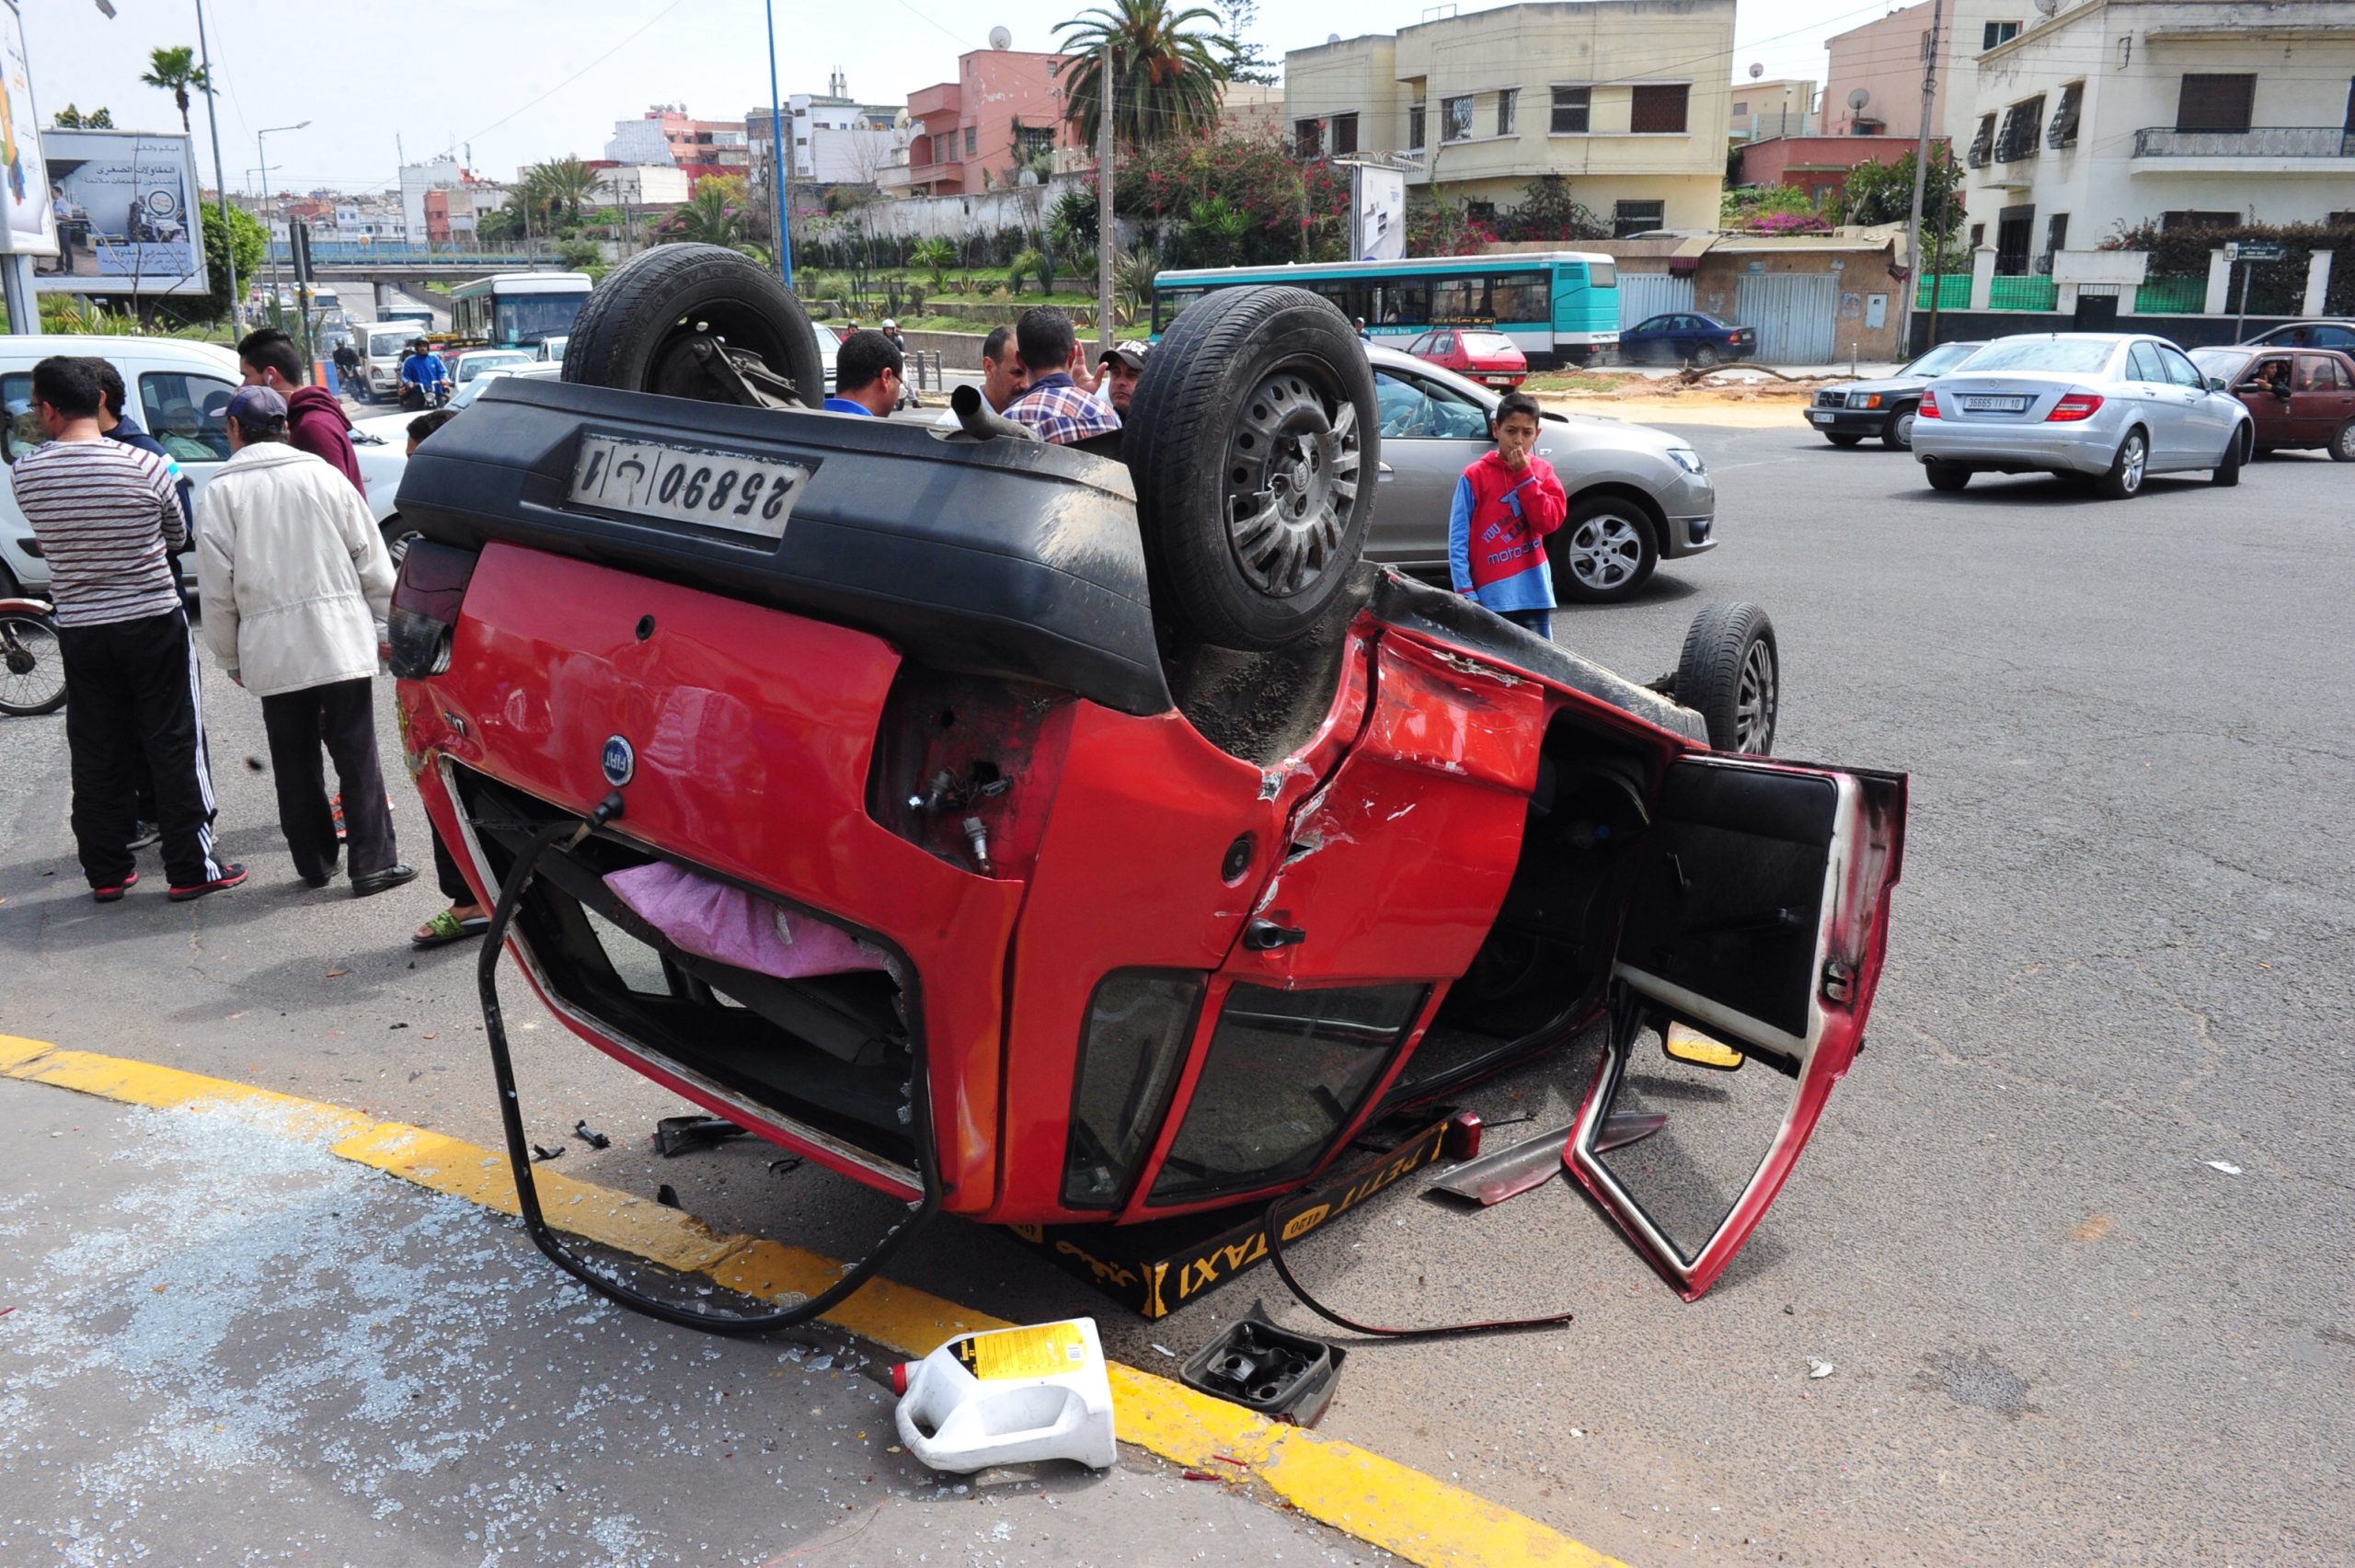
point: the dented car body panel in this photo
(1140, 973)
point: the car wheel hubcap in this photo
(1292, 481)
(1905, 430)
(1604, 551)
(2132, 467)
(1753, 714)
(2346, 440)
(396, 549)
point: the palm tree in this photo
(175, 72)
(1169, 67)
(708, 218)
(562, 186)
(936, 256)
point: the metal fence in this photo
(352, 253)
(2263, 142)
(1953, 291)
(2172, 296)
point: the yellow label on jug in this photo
(1045, 1351)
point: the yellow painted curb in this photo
(1385, 1504)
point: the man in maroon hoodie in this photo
(315, 422)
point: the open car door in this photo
(1753, 941)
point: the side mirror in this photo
(2215, 384)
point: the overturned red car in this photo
(1102, 841)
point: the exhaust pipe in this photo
(980, 422)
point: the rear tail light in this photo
(1734, 338)
(2075, 406)
(426, 597)
(1929, 406)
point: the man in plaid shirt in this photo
(1059, 409)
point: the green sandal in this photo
(445, 927)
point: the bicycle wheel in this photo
(32, 665)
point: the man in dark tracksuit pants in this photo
(106, 516)
(117, 425)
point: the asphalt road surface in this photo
(2073, 1238)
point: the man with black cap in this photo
(296, 587)
(1122, 364)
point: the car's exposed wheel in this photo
(1898, 434)
(1605, 551)
(642, 325)
(32, 665)
(2124, 479)
(398, 537)
(2227, 473)
(2342, 445)
(1843, 438)
(1946, 476)
(1704, 356)
(1251, 437)
(1731, 674)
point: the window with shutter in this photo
(1658, 107)
(1572, 106)
(1982, 146)
(1345, 135)
(1414, 128)
(2023, 124)
(2064, 119)
(2215, 102)
(1507, 103)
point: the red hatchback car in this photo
(2300, 398)
(1489, 357)
(1043, 835)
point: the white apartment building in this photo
(2107, 114)
(1628, 99)
(1773, 106)
(439, 174)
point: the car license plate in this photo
(716, 489)
(1995, 404)
(1820, 415)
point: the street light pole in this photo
(220, 179)
(777, 154)
(1920, 178)
(270, 203)
(1107, 232)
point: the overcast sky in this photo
(524, 80)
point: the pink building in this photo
(1883, 61)
(971, 127)
(1820, 165)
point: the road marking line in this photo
(1419, 1517)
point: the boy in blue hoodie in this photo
(1506, 504)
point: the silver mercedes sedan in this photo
(1638, 495)
(2112, 406)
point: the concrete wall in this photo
(1605, 46)
(2131, 55)
(1719, 281)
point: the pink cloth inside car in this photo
(713, 919)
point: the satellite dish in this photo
(899, 121)
(999, 39)
(2046, 7)
(1332, 38)
(1756, 70)
(1860, 97)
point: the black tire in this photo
(1946, 476)
(1731, 674)
(2124, 479)
(1605, 551)
(1898, 434)
(639, 327)
(1704, 356)
(1260, 395)
(2227, 473)
(32, 672)
(1843, 438)
(2342, 445)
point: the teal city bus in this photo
(1559, 307)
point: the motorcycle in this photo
(32, 665)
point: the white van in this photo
(177, 390)
(383, 345)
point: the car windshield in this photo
(474, 365)
(2077, 356)
(1940, 359)
(387, 345)
(1487, 343)
(2225, 362)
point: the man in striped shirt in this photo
(1055, 405)
(106, 515)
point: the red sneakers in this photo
(115, 893)
(228, 879)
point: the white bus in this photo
(517, 310)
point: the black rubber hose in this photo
(519, 1151)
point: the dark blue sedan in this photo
(1686, 337)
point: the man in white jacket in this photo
(296, 585)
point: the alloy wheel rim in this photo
(2132, 472)
(1753, 722)
(1605, 551)
(2346, 440)
(1905, 428)
(1292, 482)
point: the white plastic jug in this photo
(1008, 1397)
